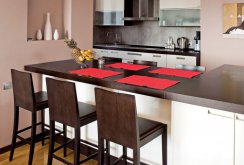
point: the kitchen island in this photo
(204, 114)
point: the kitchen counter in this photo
(147, 49)
(221, 88)
(191, 128)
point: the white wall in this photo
(215, 50)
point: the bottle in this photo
(48, 28)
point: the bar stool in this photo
(190, 67)
(148, 63)
(64, 108)
(113, 59)
(25, 98)
(118, 122)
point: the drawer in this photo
(173, 60)
(161, 59)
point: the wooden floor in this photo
(21, 156)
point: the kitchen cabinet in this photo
(107, 53)
(128, 57)
(239, 136)
(109, 5)
(173, 60)
(161, 59)
(202, 135)
(180, 4)
(109, 12)
(179, 13)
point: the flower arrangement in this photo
(80, 56)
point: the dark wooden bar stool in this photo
(190, 67)
(24, 97)
(64, 108)
(118, 122)
(148, 63)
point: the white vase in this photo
(55, 34)
(48, 28)
(39, 34)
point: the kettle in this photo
(183, 43)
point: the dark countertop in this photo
(147, 49)
(221, 88)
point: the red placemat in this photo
(134, 67)
(94, 72)
(176, 72)
(150, 82)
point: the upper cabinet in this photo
(109, 5)
(179, 13)
(180, 4)
(110, 12)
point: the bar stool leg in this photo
(51, 142)
(136, 156)
(100, 151)
(65, 139)
(77, 146)
(42, 126)
(124, 155)
(15, 131)
(33, 135)
(164, 146)
(108, 152)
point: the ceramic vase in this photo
(39, 34)
(48, 28)
(55, 34)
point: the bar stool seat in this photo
(87, 113)
(149, 130)
(41, 100)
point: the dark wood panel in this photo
(221, 88)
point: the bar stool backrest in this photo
(23, 90)
(148, 63)
(114, 59)
(62, 100)
(117, 117)
(190, 67)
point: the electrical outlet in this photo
(7, 85)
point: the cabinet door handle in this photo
(157, 56)
(104, 51)
(114, 52)
(180, 58)
(220, 115)
(134, 54)
(238, 118)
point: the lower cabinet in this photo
(173, 60)
(206, 136)
(239, 139)
(163, 60)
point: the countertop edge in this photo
(159, 51)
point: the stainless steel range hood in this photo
(144, 10)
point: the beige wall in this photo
(15, 51)
(217, 51)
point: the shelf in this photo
(60, 17)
